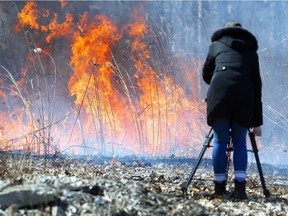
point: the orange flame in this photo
(28, 17)
(92, 81)
(139, 109)
(59, 30)
(164, 102)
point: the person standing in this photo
(234, 100)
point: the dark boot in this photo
(220, 188)
(240, 190)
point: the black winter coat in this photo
(232, 70)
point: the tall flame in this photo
(166, 106)
(117, 105)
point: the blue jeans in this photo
(221, 129)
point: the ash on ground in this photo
(130, 186)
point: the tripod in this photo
(206, 145)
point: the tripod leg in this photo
(205, 146)
(255, 150)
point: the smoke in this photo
(177, 39)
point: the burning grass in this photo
(110, 87)
(95, 95)
(89, 83)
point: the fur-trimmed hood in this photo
(236, 37)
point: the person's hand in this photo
(257, 131)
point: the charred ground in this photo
(67, 185)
